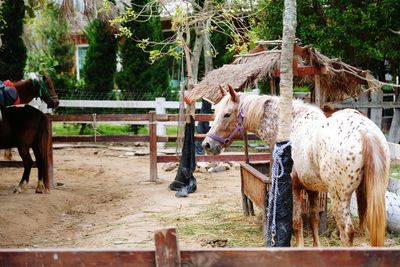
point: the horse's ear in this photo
(233, 94)
(222, 90)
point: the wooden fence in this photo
(168, 254)
(152, 120)
(375, 105)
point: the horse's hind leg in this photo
(297, 211)
(40, 189)
(341, 211)
(27, 162)
(313, 198)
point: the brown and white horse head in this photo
(228, 121)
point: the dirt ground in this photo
(102, 198)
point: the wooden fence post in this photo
(160, 109)
(394, 132)
(153, 145)
(49, 183)
(376, 113)
(363, 99)
(167, 250)
(319, 98)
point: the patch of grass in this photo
(301, 89)
(394, 171)
(225, 225)
(218, 225)
(394, 238)
(60, 128)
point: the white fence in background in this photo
(160, 105)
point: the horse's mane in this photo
(253, 108)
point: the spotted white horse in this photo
(341, 154)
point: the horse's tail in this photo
(371, 193)
(44, 137)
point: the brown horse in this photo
(34, 88)
(25, 127)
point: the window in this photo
(80, 58)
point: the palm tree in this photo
(89, 8)
(281, 235)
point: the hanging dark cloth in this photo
(184, 182)
(280, 203)
(203, 126)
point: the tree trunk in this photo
(208, 59)
(204, 126)
(286, 83)
(280, 204)
(197, 48)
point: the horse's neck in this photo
(268, 128)
(25, 90)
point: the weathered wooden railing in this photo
(151, 119)
(373, 106)
(168, 254)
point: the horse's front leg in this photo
(313, 200)
(27, 162)
(297, 212)
(40, 188)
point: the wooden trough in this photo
(255, 185)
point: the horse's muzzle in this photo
(211, 146)
(54, 103)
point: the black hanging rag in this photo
(184, 182)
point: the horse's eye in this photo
(227, 115)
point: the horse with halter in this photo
(341, 154)
(27, 90)
(25, 127)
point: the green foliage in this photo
(100, 61)
(55, 52)
(139, 77)
(13, 51)
(220, 42)
(301, 89)
(359, 32)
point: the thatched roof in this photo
(338, 80)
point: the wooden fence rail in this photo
(151, 119)
(373, 106)
(168, 254)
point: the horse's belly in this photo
(313, 183)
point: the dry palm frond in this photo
(243, 72)
(340, 80)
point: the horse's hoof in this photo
(22, 187)
(17, 190)
(335, 234)
(40, 189)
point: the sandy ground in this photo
(102, 198)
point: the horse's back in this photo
(341, 148)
